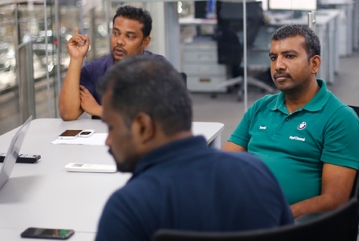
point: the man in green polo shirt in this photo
(305, 134)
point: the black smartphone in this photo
(69, 134)
(47, 233)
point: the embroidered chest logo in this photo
(302, 126)
(262, 127)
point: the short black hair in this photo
(138, 14)
(312, 43)
(151, 85)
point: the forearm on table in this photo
(96, 111)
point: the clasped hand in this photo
(88, 102)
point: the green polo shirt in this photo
(294, 146)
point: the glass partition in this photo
(225, 47)
(33, 54)
(251, 25)
(9, 106)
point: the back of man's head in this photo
(151, 85)
(312, 43)
(138, 14)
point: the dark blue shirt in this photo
(94, 70)
(185, 185)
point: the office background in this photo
(34, 58)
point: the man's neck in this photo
(299, 99)
(163, 139)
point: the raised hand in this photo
(78, 45)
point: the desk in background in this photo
(205, 74)
(46, 195)
(348, 26)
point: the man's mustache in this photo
(281, 74)
(119, 48)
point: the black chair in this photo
(355, 108)
(355, 189)
(184, 76)
(337, 225)
(229, 38)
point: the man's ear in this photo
(146, 41)
(315, 62)
(143, 127)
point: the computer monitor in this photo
(295, 5)
(200, 9)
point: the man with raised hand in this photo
(130, 36)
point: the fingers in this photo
(79, 39)
(83, 89)
(77, 35)
(83, 95)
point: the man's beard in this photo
(127, 165)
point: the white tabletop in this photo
(46, 195)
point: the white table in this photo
(46, 195)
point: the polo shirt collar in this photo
(168, 152)
(315, 104)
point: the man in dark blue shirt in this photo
(178, 182)
(130, 36)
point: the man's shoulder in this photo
(268, 98)
(337, 109)
(263, 102)
(146, 52)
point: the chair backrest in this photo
(229, 31)
(184, 76)
(355, 108)
(336, 225)
(355, 189)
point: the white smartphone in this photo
(83, 167)
(69, 134)
(86, 133)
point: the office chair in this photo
(337, 225)
(229, 45)
(184, 76)
(355, 189)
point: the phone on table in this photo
(69, 134)
(47, 233)
(86, 133)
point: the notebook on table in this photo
(13, 152)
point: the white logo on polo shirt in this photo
(296, 138)
(262, 127)
(302, 126)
